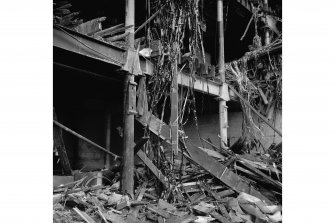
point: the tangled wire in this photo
(178, 28)
(257, 77)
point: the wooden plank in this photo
(264, 176)
(118, 30)
(105, 31)
(191, 188)
(153, 168)
(90, 27)
(117, 37)
(225, 193)
(149, 196)
(155, 125)
(222, 173)
(166, 206)
(142, 191)
(84, 216)
(203, 208)
(213, 153)
(195, 187)
(85, 139)
(158, 211)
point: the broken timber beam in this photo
(156, 126)
(153, 168)
(85, 139)
(117, 37)
(260, 173)
(106, 31)
(223, 173)
(111, 32)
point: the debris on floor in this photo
(248, 189)
(175, 181)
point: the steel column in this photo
(222, 103)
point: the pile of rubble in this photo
(209, 187)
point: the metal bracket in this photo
(132, 64)
(224, 93)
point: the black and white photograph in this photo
(167, 111)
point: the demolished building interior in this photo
(167, 111)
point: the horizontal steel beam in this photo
(199, 84)
(87, 46)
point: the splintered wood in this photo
(175, 181)
(224, 198)
(223, 173)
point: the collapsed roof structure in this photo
(168, 101)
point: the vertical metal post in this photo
(127, 178)
(221, 64)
